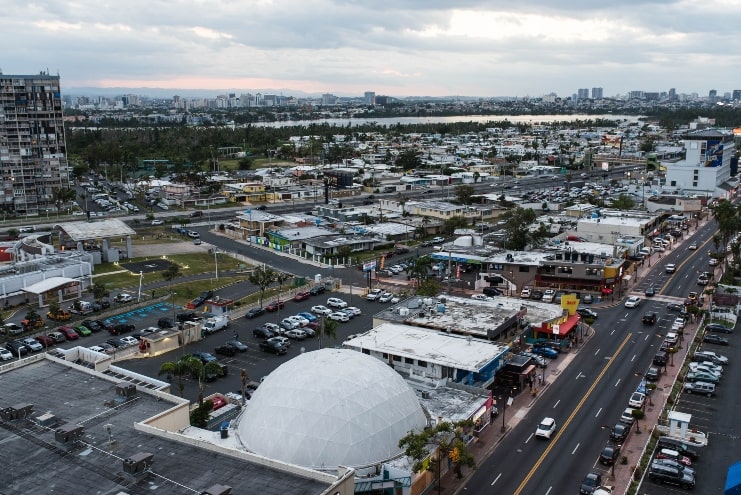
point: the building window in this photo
(408, 361)
(524, 268)
(397, 358)
(366, 351)
(498, 267)
(422, 364)
(565, 269)
(385, 356)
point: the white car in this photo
(670, 268)
(546, 428)
(627, 416)
(526, 292)
(5, 355)
(284, 341)
(481, 297)
(296, 334)
(321, 310)
(395, 299)
(548, 295)
(706, 367)
(97, 348)
(355, 311)
(336, 302)
(713, 261)
(123, 298)
(129, 341)
(157, 222)
(288, 324)
(339, 316)
(374, 294)
(637, 400)
(633, 302)
(386, 297)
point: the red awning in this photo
(567, 326)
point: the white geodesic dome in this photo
(328, 408)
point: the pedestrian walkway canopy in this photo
(83, 231)
(733, 480)
(49, 284)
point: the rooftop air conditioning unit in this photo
(217, 490)
(138, 463)
(69, 433)
(127, 390)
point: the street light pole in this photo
(141, 278)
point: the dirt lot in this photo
(169, 248)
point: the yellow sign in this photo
(570, 302)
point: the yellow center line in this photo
(568, 421)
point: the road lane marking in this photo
(597, 351)
(556, 404)
(633, 358)
(529, 438)
(568, 421)
(617, 382)
(574, 451)
(598, 412)
(613, 332)
(496, 479)
(549, 490)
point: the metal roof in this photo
(48, 284)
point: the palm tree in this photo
(178, 369)
(200, 371)
(420, 268)
(327, 328)
(243, 379)
(281, 278)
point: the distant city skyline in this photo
(400, 49)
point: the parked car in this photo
(123, 297)
(45, 340)
(273, 347)
(302, 296)
(165, 323)
(238, 345)
(609, 454)
(121, 328)
(717, 327)
(665, 453)
(321, 310)
(32, 344)
(254, 313)
(703, 388)
(275, 306)
(659, 473)
(69, 333)
(652, 375)
(386, 297)
(712, 338)
(590, 483)
(545, 351)
(225, 350)
(619, 433)
(336, 302)
(262, 333)
(284, 341)
(711, 356)
(317, 289)
(339, 316)
(701, 376)
(587, 313)
(296, 334)
(587, 299)
(5, 354)
(287, 324)
(627, 416)
(678, 445)
(17, 348)
(308, 316)
(637, 400)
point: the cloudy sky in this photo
(392, 47)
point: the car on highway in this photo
(633, 302)
(717, 327)
(546, 428)
(157, 221)
(670, 268)
(649, 292)
(711, 338)
(650, 318)
(273, 347)
(336, 302)
(254, 313)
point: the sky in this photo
(392, 47)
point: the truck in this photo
(215, 323)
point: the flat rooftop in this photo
(464, 315)
(33, 461)
(454, 351)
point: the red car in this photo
(45, 340)
(69, 333)
(275, 306)
(302, 296)
(606, 291)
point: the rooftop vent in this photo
(127, 390)
(217, 490)
(18, 411)
(138, 463)
(69, 434)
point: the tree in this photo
(178, 369)
(419, 269)
(624, 202)
(99, 291)
(54, 307)
(409, 159)
(245, 164)
(451, 224)
(202, 370)
(464, 192)
(328, 328)
(262, 277)
(444, 439)
(517, 224)
(172, 271)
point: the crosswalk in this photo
(658, 297)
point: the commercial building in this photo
(33, 152)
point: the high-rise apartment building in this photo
(369, 98)
(596, 93)
(736, 94)
(33, 151)
(582, 93)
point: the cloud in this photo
(401, 47)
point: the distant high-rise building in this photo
(736, 94)
(596, 93)
(369, 97)
(713, 94)
(672, 93)
(582, 93)
(33, 150)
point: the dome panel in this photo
(330, 407)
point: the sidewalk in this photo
(636, 442)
